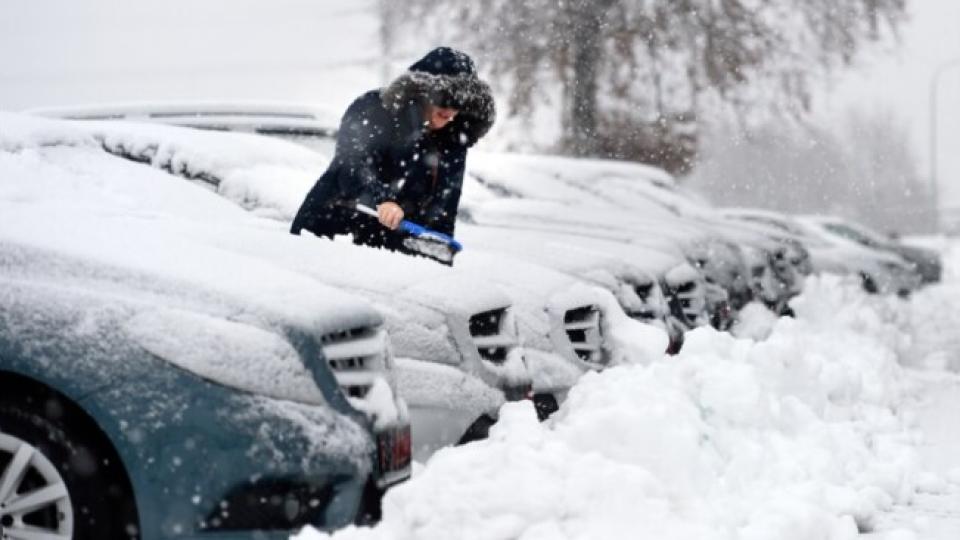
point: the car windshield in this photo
(324, 144)
(851, 234)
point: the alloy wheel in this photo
(34, 501)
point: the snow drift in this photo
(797, 437)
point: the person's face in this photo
(438, 117)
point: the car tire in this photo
(869, 285)
(478, 430)
(48, 447)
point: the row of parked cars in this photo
(174, 364)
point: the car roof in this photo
(234, 115)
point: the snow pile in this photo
(935, 317)
(794, 438)
(754, 321)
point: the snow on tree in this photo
(637, 77)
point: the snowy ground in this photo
(840, 424)
(935, 317)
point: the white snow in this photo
(235, 354)
(838, 421)
(810, 433)
(75, 217)
(431, 384)
(259, 173)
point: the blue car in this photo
(136, 404)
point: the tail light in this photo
(394, 451)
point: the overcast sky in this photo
(901, 81)
(57, 52)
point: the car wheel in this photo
(57, 479)
(478, 430)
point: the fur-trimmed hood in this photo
(465, 92)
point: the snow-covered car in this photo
(640, 290)
(511, 200)
(310, 125)
(658, 209)
(926, 261)
(459, 357)
(542, 230)
(877, 271)
(434, 314)
(455, 334)
(777, 263)
(152, 387)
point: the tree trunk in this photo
(586, 46)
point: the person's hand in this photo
(390, 214)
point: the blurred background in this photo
(849, 107)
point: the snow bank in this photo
(754, 321)
(934, 316)
(795, 438)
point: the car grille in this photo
(647, 310)
(687, 301)
(356, 357)
(582, 326)
(491, 335)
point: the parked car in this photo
(459, 357)
(312, 126)
(562, 333)
(640, 290)
(247, 177)
(145, 392)
(507, 205)
(877, 271)
(657, 207)
(434, 314)
(926, 261)
(455, 334)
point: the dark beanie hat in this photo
(445, 61)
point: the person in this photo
(402, 150)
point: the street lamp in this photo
(934, 91)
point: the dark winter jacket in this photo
(386, 153)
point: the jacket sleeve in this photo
(359, 154)
(441, 215)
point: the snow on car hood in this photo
(271, 177)
(575, 254)
(581, 220)
(20, 132)
(556, 177)
(262, 174)
(388, 277)
(73, 199)
(147, 246)
(592, 182)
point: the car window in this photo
(850, 234)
